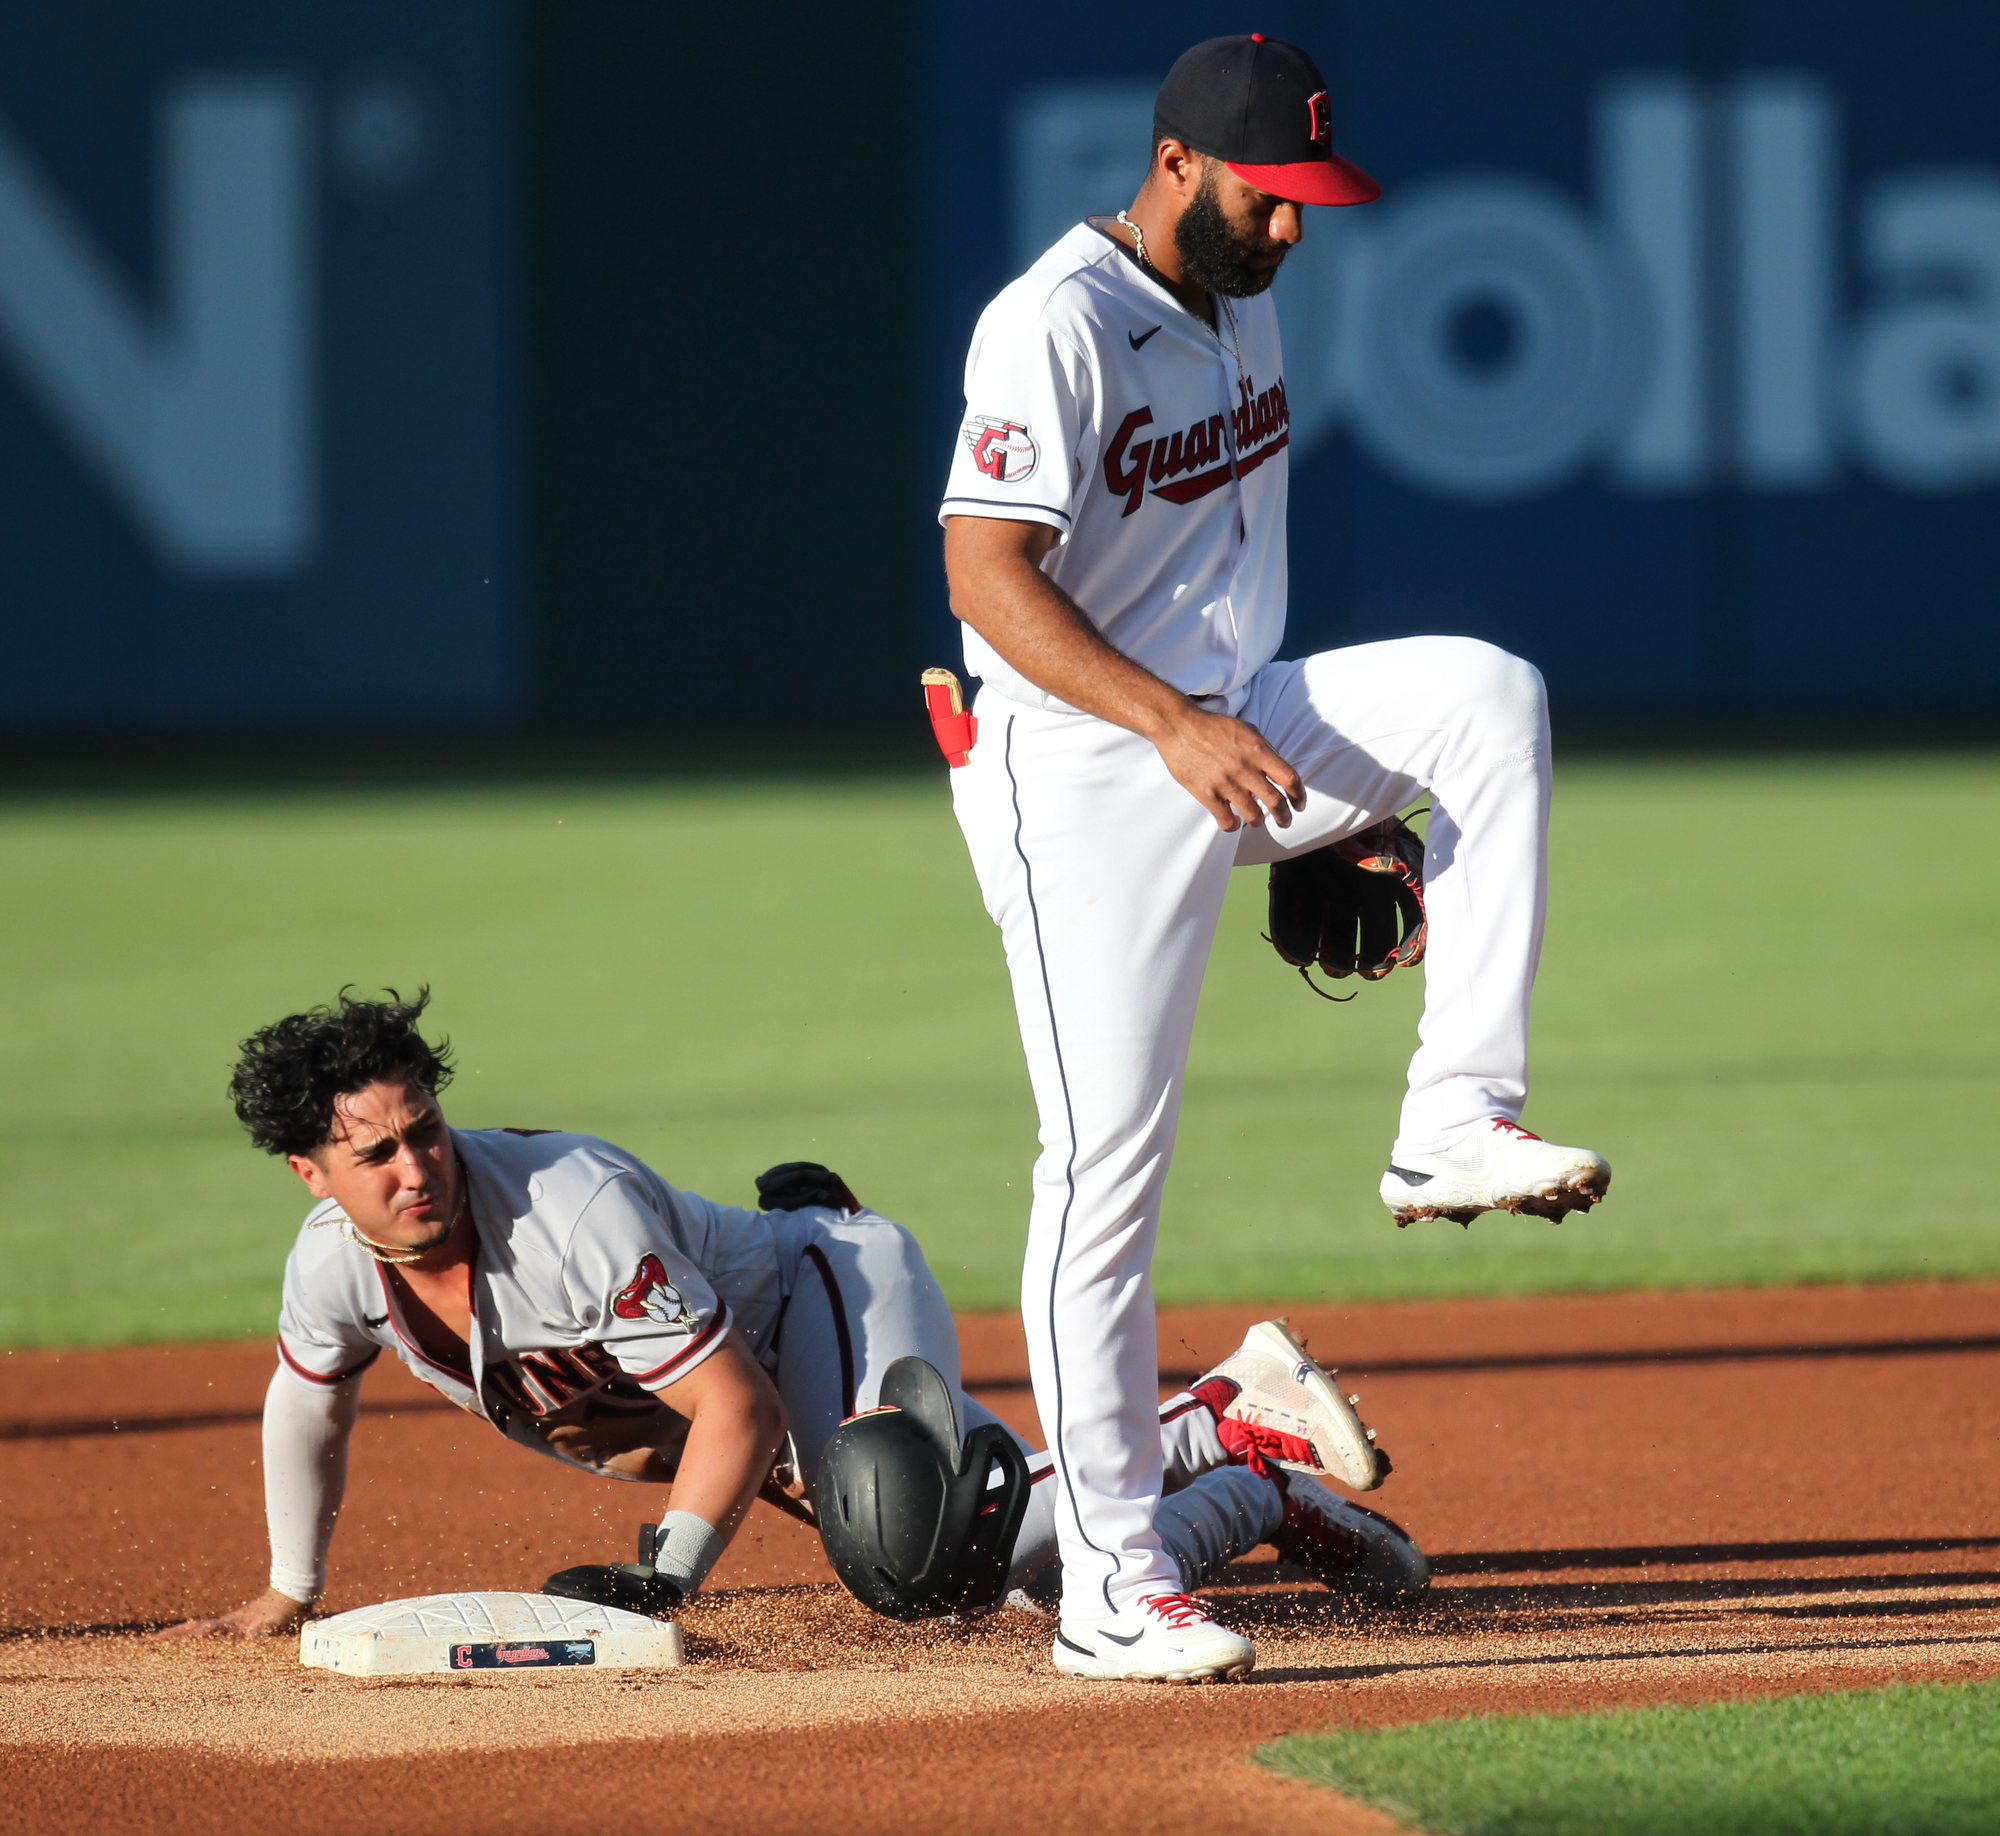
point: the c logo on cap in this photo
(1322, 119)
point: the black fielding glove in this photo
(1354, 908)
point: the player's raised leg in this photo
(1372, 729)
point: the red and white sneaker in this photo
(1348, 1548)
(1274, 1404)
(1495, 1166)
(1167, 1638)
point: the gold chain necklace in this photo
(381, 1251)
(1146, 261)
(1138, 236)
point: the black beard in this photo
(1212, 254)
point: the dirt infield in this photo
(1627, 1498)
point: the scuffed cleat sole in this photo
(1553, 1202)
(1580, 1189)
(1185, 1678)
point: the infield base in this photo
(489, 1633)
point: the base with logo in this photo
(488, 1634)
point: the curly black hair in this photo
(294, 1070)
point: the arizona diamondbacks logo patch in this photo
(649, 1295)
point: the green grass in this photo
(1769, 996)
(1920, 1760)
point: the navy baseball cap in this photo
(1260, 106)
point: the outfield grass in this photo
(1769, 996)
(1918, 1760)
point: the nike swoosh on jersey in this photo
(368, 1319)
(1135, 342)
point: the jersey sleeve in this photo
(306, 1428)
(1019, 452)
(319, 1341)
(635, 1291)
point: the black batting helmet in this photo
(914, 1521)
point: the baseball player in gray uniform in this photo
(1115, 543)
(557, 1287)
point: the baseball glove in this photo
(1355, 907)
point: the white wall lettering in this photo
(1484, 337)
(1927, 361)
(1781, 132)
(199, 414)
(1496, 349)
(1653, 178)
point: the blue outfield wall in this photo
(368, 362)
(1670, 358)
(257, 365)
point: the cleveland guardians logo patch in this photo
(1002, 450)
(649, 1295)
(1322, 119)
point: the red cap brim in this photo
(1332, 180)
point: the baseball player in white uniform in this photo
(556, 1286)
(1115, 543)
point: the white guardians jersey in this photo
(1096, 403)
(593, 1278)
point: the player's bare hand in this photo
(1228, 768)
(270, 1615)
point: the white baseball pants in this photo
(1106, 878)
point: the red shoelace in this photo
(1178, 1610)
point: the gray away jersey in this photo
(592, 1277)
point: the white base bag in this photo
(473, 1634)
